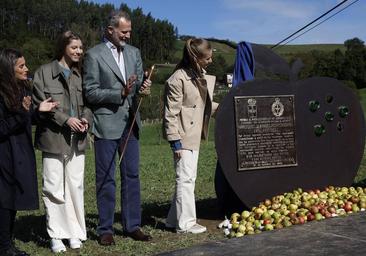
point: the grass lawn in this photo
(157, 185)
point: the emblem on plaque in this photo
(252, 108)
(277, 108)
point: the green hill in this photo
(285, 51)
(303, 48)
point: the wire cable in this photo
(319, 23)
(321, 16)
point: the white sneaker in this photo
(57, 245)
(75, 243)
(195, 229)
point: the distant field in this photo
(293, 49)
(229, 53)
(226, 51)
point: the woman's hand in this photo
(85, 124)
(26, 103)
(177, 154)
(75, 124)
(47, 105)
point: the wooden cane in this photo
(133, 121)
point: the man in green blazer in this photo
(113, 77)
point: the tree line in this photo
(348, 66)
(33, 26)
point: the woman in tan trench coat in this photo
(187, 109)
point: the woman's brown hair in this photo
(11, 90)
(63, 41)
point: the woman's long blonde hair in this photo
(194, 49)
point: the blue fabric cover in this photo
(244, 64)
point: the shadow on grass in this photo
(91, 221)
(154, 214)
(32, 228)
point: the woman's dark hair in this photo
(64, 40)
(10, 87)
(194, 49)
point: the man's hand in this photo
(127, 89)
(146, 85)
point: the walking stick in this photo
(133, 121)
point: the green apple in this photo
(245, 214)
(241, 229)
(251, 219)
(250, 229)
(278, 226)
(355, 208)
(268, 227)
(286, 223)
(235, 225)
(250, 232)
(318, 216)
(292, 207)
(257, 224)
(286, 201)
(258, 211)
(239, 234)
(266, 216)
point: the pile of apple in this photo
(296, 207)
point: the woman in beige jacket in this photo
(187, 109)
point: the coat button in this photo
(192, 122)
(194, 106)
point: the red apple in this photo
(292, 215)
(314, 209)
(310, 217)
(301, 220)
(347, 207)
(267, 221)
(295, 221)
(327, 214)
(354, 199)
(322, 211)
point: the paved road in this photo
(337, 236)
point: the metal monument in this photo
(273, 136)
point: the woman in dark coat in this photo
(18, 179)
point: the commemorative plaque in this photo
(265, 131)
